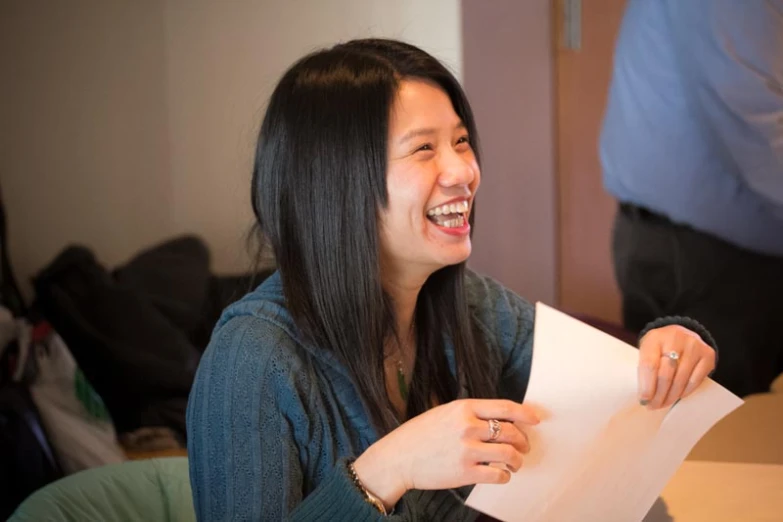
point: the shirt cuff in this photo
(686, 322)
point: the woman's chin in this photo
(454, 256)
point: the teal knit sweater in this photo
(272, 420)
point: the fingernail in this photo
(644, 402)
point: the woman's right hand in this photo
(447, 447)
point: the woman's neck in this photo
(404, 295)
(403, 284)
(400, 349)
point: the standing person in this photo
(692, 148)
(373, 373)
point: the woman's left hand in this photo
(665, 378)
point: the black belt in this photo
(643, 214)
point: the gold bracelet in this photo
(369, 497)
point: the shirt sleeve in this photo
(247, 420)
(734, 54)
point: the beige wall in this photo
(84, 151)
(123, 123)
(508, 74)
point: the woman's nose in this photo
(456, 170)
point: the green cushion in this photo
(148, 490)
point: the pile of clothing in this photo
(138, 332)
(105, 358)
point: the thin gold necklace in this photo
(401, 383)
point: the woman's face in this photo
(432, 179)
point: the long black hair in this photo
(318, 185)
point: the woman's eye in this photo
(463, 139)
(425, 147)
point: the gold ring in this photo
(494, 429)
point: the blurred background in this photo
(126, 123)
(127, 132)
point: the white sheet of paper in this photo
(597, 454)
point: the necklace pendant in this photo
(402, 384)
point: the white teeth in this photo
(458, 221)
(452, 208)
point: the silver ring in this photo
(494, 429)
(674, 357)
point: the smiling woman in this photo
(432, 177)
(373, 374)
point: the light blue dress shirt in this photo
(693, 128)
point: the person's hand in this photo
(664, 377)
(447, 447)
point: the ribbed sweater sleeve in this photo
(247, 420)
(337, 498)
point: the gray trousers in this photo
(667, 269)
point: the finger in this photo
(484, 474)
(685, 366)
(505, 410)
(700, 372)
(663, 381)
(498, 453)
(649, 361)
(509, 434)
